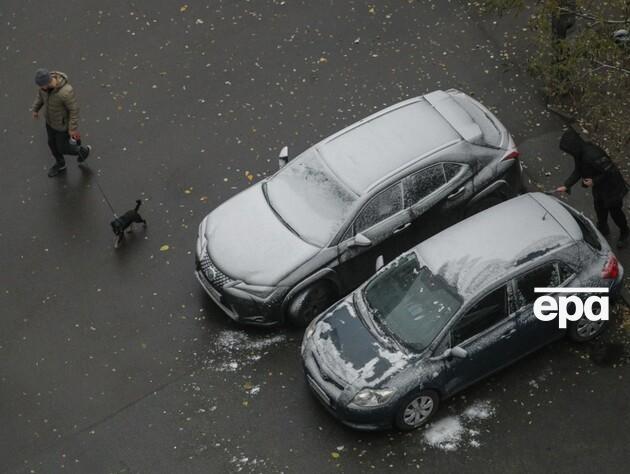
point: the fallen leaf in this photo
(183, 8)
(164, 248)
(335, 455)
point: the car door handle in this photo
(457, 193)
(508, 334)
(401, 228)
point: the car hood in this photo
(344, 346)
(247, 241)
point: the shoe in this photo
(84, 152)
(56, 170)
(623, 239)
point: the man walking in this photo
(56, 96)
(596, 170)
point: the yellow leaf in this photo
(183, 8)
(335, 455)
(164, 248)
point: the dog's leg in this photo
(118, 239)
(130, 228)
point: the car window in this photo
(483, 315)
(410, 302)
(451, 170)
(309, 199)
(383, 205)
(422, 183)
(546, 276)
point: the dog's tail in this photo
(138, 204)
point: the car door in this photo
(536, 333)
(380, 220)
(434, 196)
(486, 331)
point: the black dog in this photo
(120, 224)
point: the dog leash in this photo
(105, 196)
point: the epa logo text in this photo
(571, 307)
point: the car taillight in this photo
(611, 269)
(513, 155)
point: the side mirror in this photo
(283, 157)
(360, 240)
(379, 262)
(458, 352)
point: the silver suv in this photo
(288, 247)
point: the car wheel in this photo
(310, 302)
(416, 409)
(483, 204)
(584, 329)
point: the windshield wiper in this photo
(273, 209)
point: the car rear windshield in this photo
(410, 303)
(309, 199)
(588, 233)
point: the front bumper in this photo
(336, 396)
(240, 306)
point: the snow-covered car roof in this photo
(477, 251)
(393, 138)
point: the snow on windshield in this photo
(309, 199)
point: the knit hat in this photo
(42, 77)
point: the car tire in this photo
(416, 409)
(483, 204)
(584, 330)
(310, 302)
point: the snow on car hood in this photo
(247, 242)
(344, 346)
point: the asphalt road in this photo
(117, 362)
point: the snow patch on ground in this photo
(453, 432)
(232, 350)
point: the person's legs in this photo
(602, 217)
(616, 212)
(63, 144)
(52, 144)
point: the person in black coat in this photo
(595, 168)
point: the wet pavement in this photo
(117, 362)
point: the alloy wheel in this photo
(418, 410)
(587, 328)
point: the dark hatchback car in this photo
(291, 245)
(453, 310)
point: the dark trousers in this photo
(60, 145)
(616, 212)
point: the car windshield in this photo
(309, 199)
(410, 303)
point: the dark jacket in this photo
(592, 162)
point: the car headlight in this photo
(369, 397)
